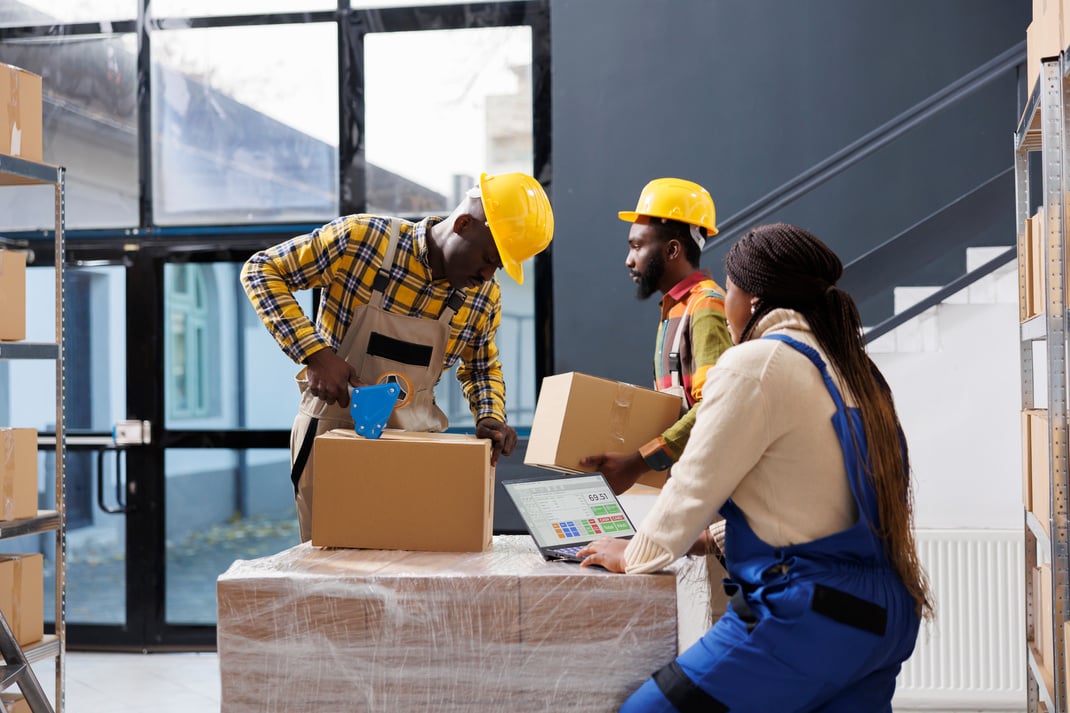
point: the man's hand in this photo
(502, 437)
(622, 470)
(330, 376)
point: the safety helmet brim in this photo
(630, 216)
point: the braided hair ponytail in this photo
(785, 266)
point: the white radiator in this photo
(973, 656)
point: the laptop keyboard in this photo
(569, 550)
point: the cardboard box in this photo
(1025, 274)
(402, 491)
(18, 473)
(1044, 37)
(22, 596)
(1027, 462)
(20, 113)
(1039, 469)
(1066, 651)
(1038, 267)
(381, 632)
(579, 415)
(12, 295)
(1042, 617)
(15, 703)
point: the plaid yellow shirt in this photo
(342, 258)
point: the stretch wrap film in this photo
(377, 630)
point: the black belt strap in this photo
(684, 695)
(739, 605)
(848, 609)
(304, 452)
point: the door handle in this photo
(121, 506)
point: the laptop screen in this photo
(569, 510)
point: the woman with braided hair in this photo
(798, 446)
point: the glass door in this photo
(229, 398)
(95, 390)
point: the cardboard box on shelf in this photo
(381, 632)
(1025, 262)
(578, 415)
(1042, 617)
(402, 491)
(20, 113)
(1066, 650)
(12, 295)
(1027, 462)
(15, 703)
(1045, 36)
(1039, 469)
(18, 473)
(22, 595)
(1037, 230)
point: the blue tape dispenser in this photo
(371, 406)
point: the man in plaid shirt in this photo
(400, 303)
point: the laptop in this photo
(563, 514)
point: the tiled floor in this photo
(137, 683)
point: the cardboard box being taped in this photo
(403, 491)
(20, 113)
(579, 415)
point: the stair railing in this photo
(854, 152)
(940, 295)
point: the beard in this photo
(650, 277)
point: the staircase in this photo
(954, 371)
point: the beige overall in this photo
(382, 347)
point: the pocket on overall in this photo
(835, 636)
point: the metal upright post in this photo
(1053, 141)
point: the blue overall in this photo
(822, 626)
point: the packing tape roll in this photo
(618, 416)
(7, 471)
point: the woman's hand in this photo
(607, 552)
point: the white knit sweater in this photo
(763, 437)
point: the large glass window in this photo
(480, 101)
(433, 126)
(45, 12)
(89, 89)
(197, 8)
(242, 131)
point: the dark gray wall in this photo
(741, 96)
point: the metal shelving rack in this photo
(1043, 129)
(18, 171)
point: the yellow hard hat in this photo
(519, 217)
(676, 199)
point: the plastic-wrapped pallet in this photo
(375, 630)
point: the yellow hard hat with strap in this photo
(675, 199)
(519, 217)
